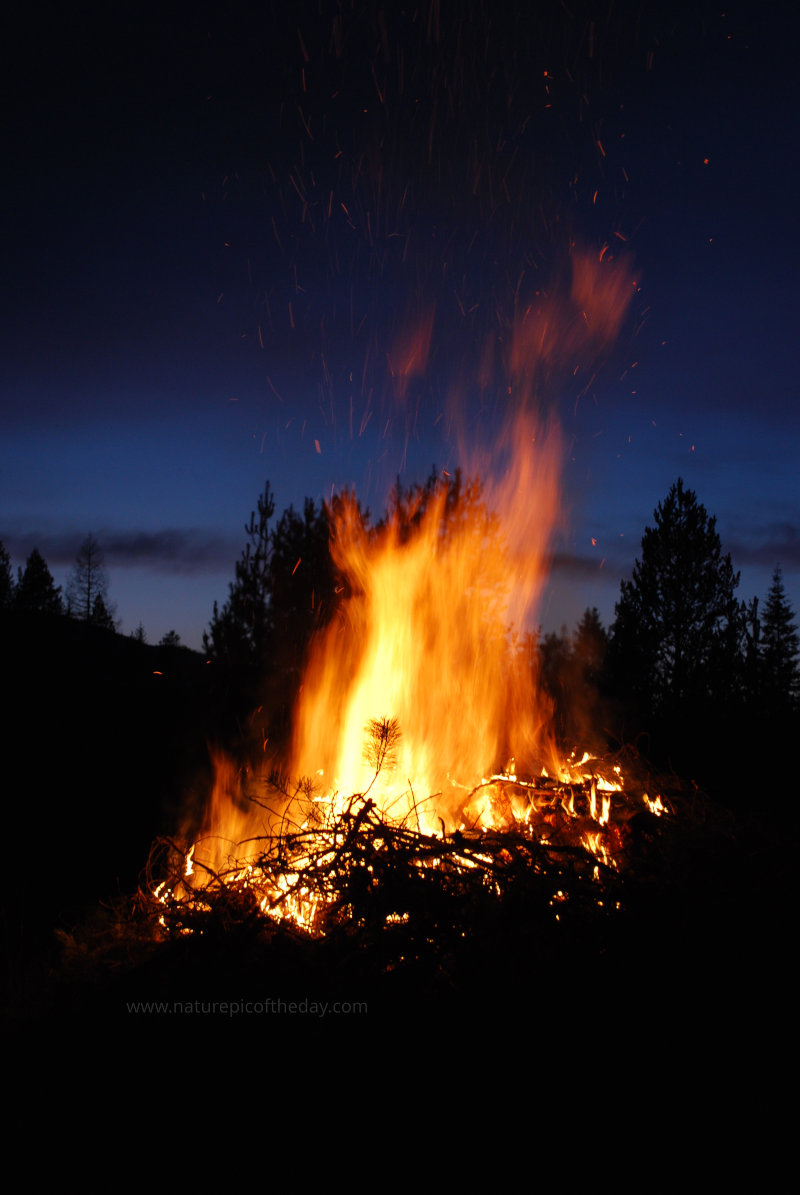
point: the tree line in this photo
(698, 679)
(35, 591)
(86, 598)
(706, 684)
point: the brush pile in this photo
(525, 914)
(362, 894)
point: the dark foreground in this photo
(105, 742)
(706, 928)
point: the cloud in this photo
(174, 550)
(763, 546)
(776, 543)
(588, 568)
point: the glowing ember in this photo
(315, 862)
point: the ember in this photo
(329, 863)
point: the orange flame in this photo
(409, 356)
(424, 638)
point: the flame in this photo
(423, 640)
(409, 356)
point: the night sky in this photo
(234, 232)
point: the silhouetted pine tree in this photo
(283, 590)
(780, 648)
(302, 582)
(677, 633)
(238, 636)
(590, 646)
(571, 669)
(677, 652)
(36, 591)
(102, 616)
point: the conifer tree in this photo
(36, 591)
(239, 632)
(676, 635)
(780, 648)
(302, 582)
(102, 616)
(590, 645)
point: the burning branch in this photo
(351, 866)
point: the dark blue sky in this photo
(223, 223)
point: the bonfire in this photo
(424, 794)
(323, 862)
(424, 778)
